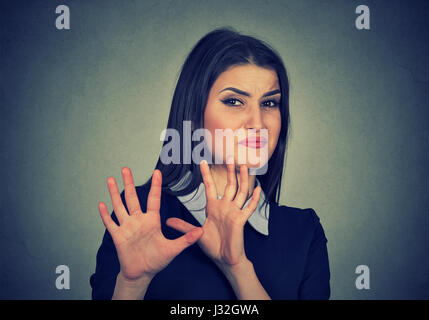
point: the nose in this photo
(255, 119)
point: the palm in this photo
(222, 239)
(135, 242)
(142, 248)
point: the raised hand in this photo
(222, 239)
(142, 249)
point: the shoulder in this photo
(298, 222)
(297, 216)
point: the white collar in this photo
(195, 202)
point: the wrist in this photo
(242, 268)
(133, 284)
(144, 280)
(127, 289)
(245, 282)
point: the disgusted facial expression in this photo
(246, 100)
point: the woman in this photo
(207, 229)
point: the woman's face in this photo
(245, 97)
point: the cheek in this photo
(213, 124)
(211, 117)
(274, 125)
(212, 121)
(215, 117)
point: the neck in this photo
(219, 174)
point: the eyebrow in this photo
(244, 93)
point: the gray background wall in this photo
(78, 105)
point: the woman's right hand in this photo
(142, 249)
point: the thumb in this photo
(179, 225)
(186, 240)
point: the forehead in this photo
(247, 77)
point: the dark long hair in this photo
(212, 55)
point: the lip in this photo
(254, 142)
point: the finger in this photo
(180, 225)
(231, 183)
(118, 206)
(243, 190)
(181, 243)
(110, 225)
(154, 197)
(210, 187)
(251, 207)
(131, 197)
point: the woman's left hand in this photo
(222, 239)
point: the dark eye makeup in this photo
(233, 102)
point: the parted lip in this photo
(254, 142)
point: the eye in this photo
(270, 103)
(232, 102)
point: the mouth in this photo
(254, 142)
